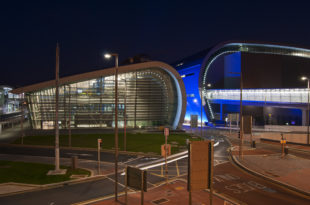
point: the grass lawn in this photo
(33, 173)
(144, 142)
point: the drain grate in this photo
(160, 201)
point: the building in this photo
(9, 102)
(272, 90)
(150, 94)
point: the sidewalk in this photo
(172, 193)
(291, 170)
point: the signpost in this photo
(166, 133)
(164, 149)
(136, 179)
(247, 127)
(194, 122)
(99, 145)
(200, 169)
(283, 142)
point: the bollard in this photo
(253, 144)
(286, 150)
(74, 160)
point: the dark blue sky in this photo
(165, 30)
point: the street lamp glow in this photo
(304, 78)
(107, 55)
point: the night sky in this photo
(164, 30)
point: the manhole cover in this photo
(160, 201)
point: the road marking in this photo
(132, 159)
(176, 165)
(83, 155)
(179, 188)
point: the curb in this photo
(52, 185)
(80, 148)
(291, 148)
(290, 187)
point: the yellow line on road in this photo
(177, 167)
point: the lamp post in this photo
(308, 83)
(240, 116)
(57, 169)
(108, 56)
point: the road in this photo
(228, 180)
(65, 153)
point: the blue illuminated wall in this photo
(232, 69)
(190, 77)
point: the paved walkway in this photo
(289, 169)
(173, 193)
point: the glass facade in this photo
(9, 103)
(146, 98)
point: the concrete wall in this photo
(285, 128)
(290, 137)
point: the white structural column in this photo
(304, 117)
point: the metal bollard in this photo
(253, 144)
(74, 161)
(286, 150)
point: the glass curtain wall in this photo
(147, 98)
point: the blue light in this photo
(193, 105)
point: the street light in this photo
(240, 116)
(108, 56)
(308, 83)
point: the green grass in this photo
(144, 142)
(33, 173)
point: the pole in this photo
(125, 140)
(308, 114)
(116, 125)
(189, 175)
(142, 186)
(126, 200)
(22, 123)
(241, 119)
(101, 107)
(282, 144)
(98, 144)
(211, 170)
(69, 128)
(166, 165)
(56, 112)
(201, 114)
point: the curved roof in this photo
(122, 69)
(247, 47)
(96, 74)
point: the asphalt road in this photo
(66, 153)
(228, 180)
(237, 184)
